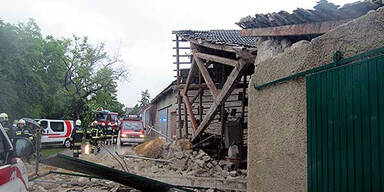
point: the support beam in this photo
(178, 83)
(190, 112)
(293, 30)
(190, 74)
(207, 77)
(197, 95)
(222, 60)
(221, 98)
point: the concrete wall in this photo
(277, 159)
(167, 101)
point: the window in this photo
(43, 124)
(57, 126)
(132, 125)
(113, 118)
(101, 117)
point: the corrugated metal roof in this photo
(219, 37)
(323, 11)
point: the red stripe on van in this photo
(69, 130)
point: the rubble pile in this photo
(185, 162)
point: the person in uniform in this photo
(115, 134)
(23, 131)
(103, 130)
(95, 136)
(9, 129)
(108, 134)
(77, 138)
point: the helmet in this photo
(78, 122)
(103, 124)
(21, 121)
(94, 123)
(3, 117)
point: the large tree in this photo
(89, 70)
(54, 78)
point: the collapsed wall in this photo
(277, 140)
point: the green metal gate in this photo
(345, 120)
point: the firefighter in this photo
(108, 134)
(115, 134)
(95, 136)
(9, 129)
(102, 133)
(23, 131)
(76, 138)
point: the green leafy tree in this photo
(89, 70)
(145, 100)
(54, 78)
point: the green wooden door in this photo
(345, 120)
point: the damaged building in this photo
(297, 93)
(315, 110)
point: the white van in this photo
(56, 132)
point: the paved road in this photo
(106, 149)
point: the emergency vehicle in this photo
(132, 130)
(13, 174)
(56, 132)
(107, 117)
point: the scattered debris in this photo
(150, 149)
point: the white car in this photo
(56, 132)
(13, 174)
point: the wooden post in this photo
(223, 95)
(201, 92)
(178, 83)
(222, 111)
(190, 111)
(185, 121)
(244, 99)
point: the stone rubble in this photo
(183, 163)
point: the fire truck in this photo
(109, 119)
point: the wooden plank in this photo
(207, 77)
(222, 60)
(188, 81)
(190, 111)
(223, 95)
(178, 83)
(293, 30)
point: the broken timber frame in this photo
(244, 59)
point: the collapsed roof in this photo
(218, 37)
(323, 11)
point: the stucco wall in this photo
(277, 159)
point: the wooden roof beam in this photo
(293, 30)
(217, 59)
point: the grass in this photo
(46, 152)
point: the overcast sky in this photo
(141, 29)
